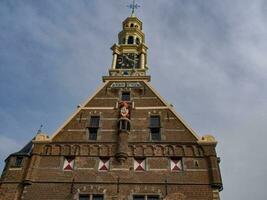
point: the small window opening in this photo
(144, 197)
(98, 197)
(84, 197)
(155, 128)
(137, 41)
(130, 40)
(18, 161)
(93, 133)
(125, 96)
(139, 197)
(155, 134)
(93, 127)
(132, 25)
(94, 121)
(196, 163)
(152, 197)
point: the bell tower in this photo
(130, 54)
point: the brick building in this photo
(125, 142)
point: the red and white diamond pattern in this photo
(103, 164)
(68, 164)
(176, 164)
(139, 164)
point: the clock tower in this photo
(130, 54)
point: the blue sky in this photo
(206, 57)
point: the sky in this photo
(206, 57)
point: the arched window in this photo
(137, 41)
(132, 25)
(130, 40)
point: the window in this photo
(93, 127)
(130, 40)
(125, 96)
(155, 133)
(137, 41)
(94, 121)
(98, 197)
(139, 198)
(132, 25)
(155, 127)
(145, 197)
(154, 122)
(152, 197)
(18, 161)
(84, 197)
(91, 197)
(93, 133)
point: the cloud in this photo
(205, 57)
(8, 146)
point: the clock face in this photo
(128, 61)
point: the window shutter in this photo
(68, 164)
(139, 164)
(103, 164)
(176, 164)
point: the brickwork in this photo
(123, 141)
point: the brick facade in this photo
(41, 175)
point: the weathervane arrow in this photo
(133, 7)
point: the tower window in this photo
(18, 161)
(93, 127)
(130, 40)
(155, 127)
(125, 96)
(132, 25)
(137, 41)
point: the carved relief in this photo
(110, 150)
(189, 151)
(139, 150)
(131, 150)
(149, 150)
(76, 150)
(57, 149)
(159, 150)
(170, 150)
(66, 150)
(179, 150)
(47, 150)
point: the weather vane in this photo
(133, 6)
(40, 129)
